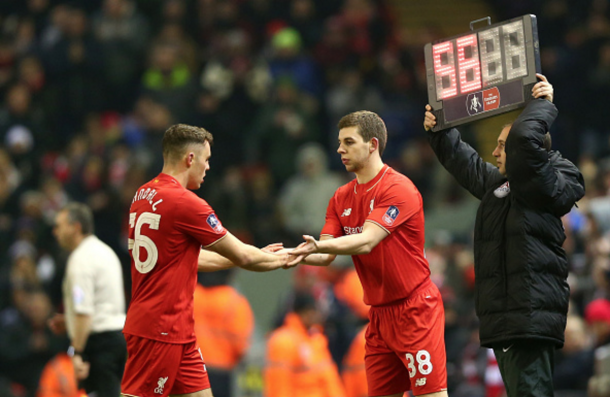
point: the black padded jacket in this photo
(521, 269)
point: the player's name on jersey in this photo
(148, 195)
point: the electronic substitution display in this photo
(482, 73)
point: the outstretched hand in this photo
(543, 89)
(273, 248)
(429, 118)
(310, 246)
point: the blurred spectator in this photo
(599, 385)
(168, 80)
(262, 216)
(353, 373)
(234, 81)
(174, 34)
(298, 360)
(122, 33)
(597, 314)
(303, 17)
(288, 60)
(75, 66)
(304, 197)
(22, 132)
(10, 185)
(224, 323)
(349, 95)
(332, 52)
(282, 126)
(26, 344)
(7, 60)
(229, 199)
(574, 363)
(58, 379)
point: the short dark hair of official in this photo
(548, 141)
(177, 137)
(80, 213)
(369, 124)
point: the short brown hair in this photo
(179, 136)
(369, 124)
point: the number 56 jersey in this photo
(168, 225)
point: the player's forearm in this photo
(258, 261)
(211, 261)
(354, 244)
(318, 259)
(82, 329)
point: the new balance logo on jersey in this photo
(420, 382)
(346, 212)
(161, 385)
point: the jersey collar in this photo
(166, 177)
(366, 187)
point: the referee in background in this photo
(94, 304)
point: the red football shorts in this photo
(157, 369)
(405, 345)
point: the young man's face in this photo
(355, 153)
(199, 166)
(500, 151)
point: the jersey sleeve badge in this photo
(214, 223)
(390, 215)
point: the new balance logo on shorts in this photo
(161, 385)
(420, 382)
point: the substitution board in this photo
(484, 72)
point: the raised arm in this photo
(460, 159)
(537, 176)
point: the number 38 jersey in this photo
(397, 266)
(168, 225)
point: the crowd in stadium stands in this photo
(89, 87)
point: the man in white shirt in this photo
(94, 303)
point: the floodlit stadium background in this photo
(89, 86)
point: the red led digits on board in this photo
(469, 64)
(444, 70)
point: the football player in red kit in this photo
(169, 225)
(378, 218)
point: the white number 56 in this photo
(152, 253)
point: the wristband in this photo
(73, 352)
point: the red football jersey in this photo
(168, 224)
(397, 265)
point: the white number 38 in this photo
(423, 363)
